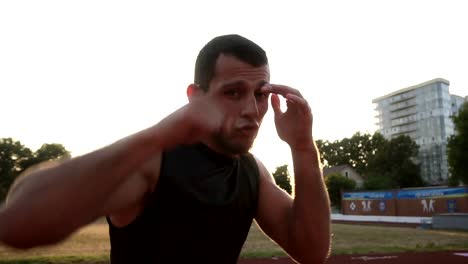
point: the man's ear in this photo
(194, 91)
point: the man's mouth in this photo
(248, 130)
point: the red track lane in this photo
(396, 258)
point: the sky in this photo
(87, 73)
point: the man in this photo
(187, 189)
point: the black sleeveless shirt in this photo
(200, 211)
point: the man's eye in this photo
(233, 93)
(261, 95)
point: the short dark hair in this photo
(234, 45)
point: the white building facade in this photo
(422, 112)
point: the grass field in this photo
(90, 244)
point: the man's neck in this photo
(211, 145)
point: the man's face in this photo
(236, 87)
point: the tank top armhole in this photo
(254, 179)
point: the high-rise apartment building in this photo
(422, 112)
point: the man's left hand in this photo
(294, 126)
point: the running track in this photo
(397, 258)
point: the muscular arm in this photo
(54, 202)
(311, 210)
(299, 224)
(51, 203)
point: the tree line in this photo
(15, 158)
(386, 164)
(383, 164)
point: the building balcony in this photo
(402, 106)
(407, 123)
(399, 133)
(403, 113)
(402, 98)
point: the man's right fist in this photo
(193, 122)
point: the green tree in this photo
(382, 163)
(331, 153)
(335, 183)
(393, 165)
(355, 151)
(457, 147)
(378, 182)
(282, 178)
(15, 158)
(52, 151)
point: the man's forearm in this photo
(58, 200)
(311, 210)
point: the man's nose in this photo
(251, 107)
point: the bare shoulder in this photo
(269, 192)
(272, 219)
(128, 201)
(263, 172)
